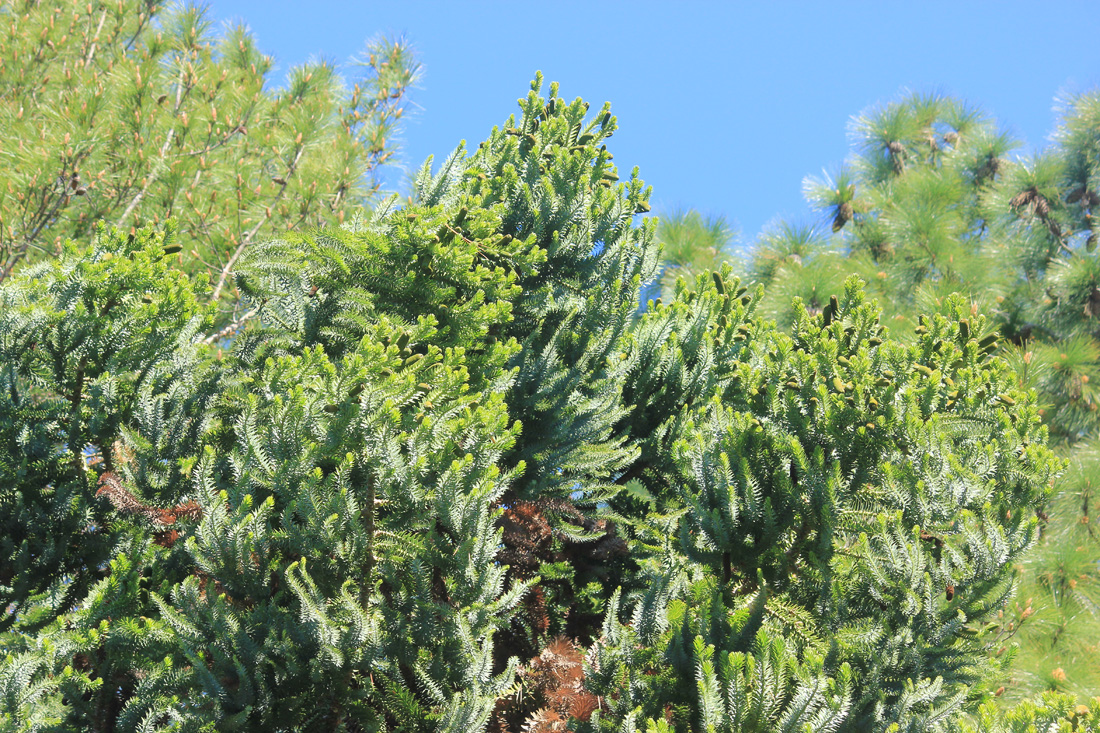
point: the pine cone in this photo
(844, 215)
(990, 168)
(1031, 200)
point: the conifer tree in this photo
(931, 202)
(446, 439)
(835, 488)
(286, 539)
(131, 113)
(329, 489)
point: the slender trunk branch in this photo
(231, 328)
(44, 216)
(75, 440)
(368, 569)
(156, 170)
(153, 174)
(247, 239)
(95, 38)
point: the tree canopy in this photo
(932, 202)
(447, 478)
(132, 113)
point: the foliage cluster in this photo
(932, 203)
(127, 112)
(447, 440)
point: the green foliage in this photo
(318, 546)
(87, 343)
(445, 435)
(552, 174)
(1054, 712)
(931, 203)
(870, 497)
(1058, 614)
(757, 683)
(691, 244)
(907, 211)
(132, 113)
(345, 551)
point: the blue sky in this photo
(725, 107)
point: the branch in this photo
(248, 237)
(92, 48)
(74, 429)
(231, 328)
(148, 181)
(163, 153)
(241, 128)
(20, 252)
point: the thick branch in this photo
(75, 442)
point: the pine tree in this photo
(445, 440)
(131, 113)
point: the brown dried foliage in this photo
(126, 502)
(551, 693)
(530, 540)
(529, 536)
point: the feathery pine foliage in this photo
(1057, 613)
(1053, 712)
(906, 212)
(691, 244)
(931, 203)
(446, 438)
(132, 113)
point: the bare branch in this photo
(95, 37)
(231, 328)
(247, 239)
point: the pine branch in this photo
(247, 239)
